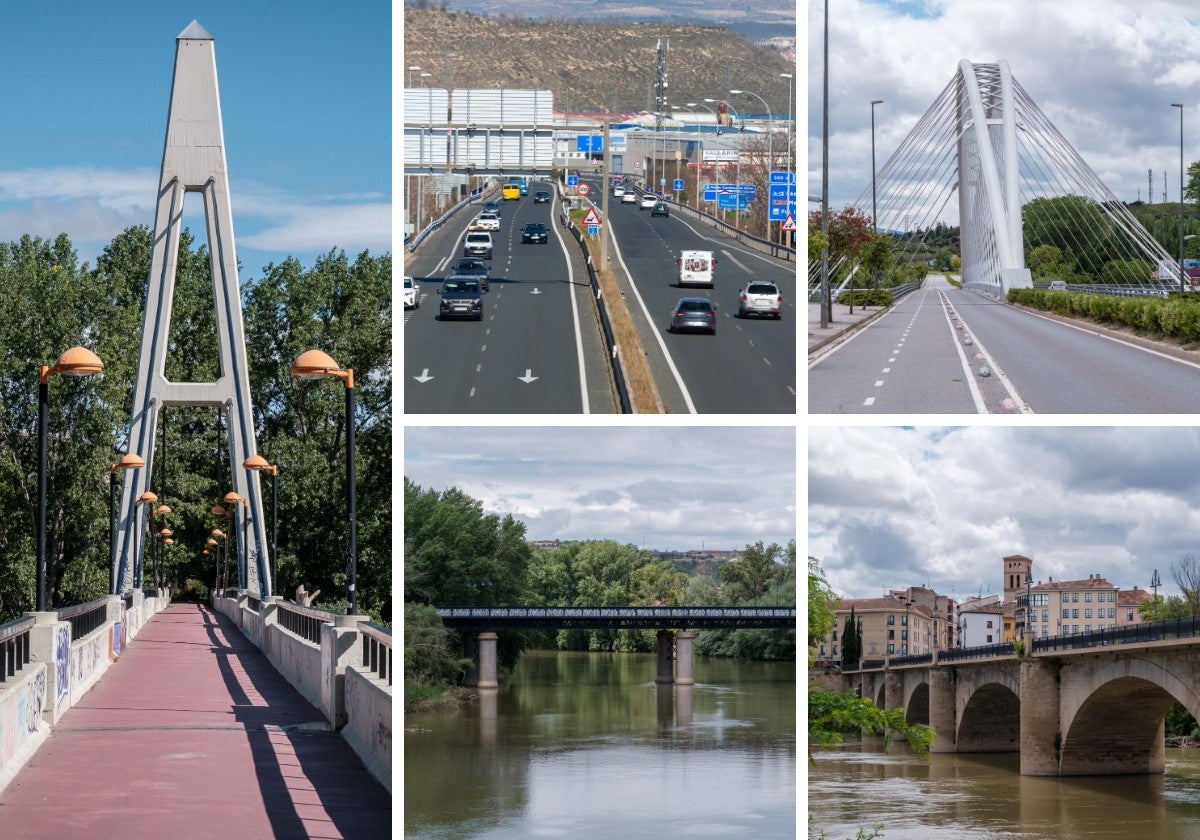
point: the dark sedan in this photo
(694, 314)
(660, 209)
(541, 197)
(475, 267)
(534, 232)
(461, 298)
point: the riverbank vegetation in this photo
(456, 555)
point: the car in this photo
(1061, 285)
(648, 201)
(660, 209)
(510, 191)
(492, 207)
(522, 185)
(534, 232)
(461, 298)
(412, 294)
(760, 297)
(478, 243)
(694, 314)
(474, 267)
(629, 198)
(541, 197)
(485, 221)
(618, 191)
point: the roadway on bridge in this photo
(538, 348)
(925, 356)
(749, 366)
(192, 733)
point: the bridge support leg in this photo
(893, 689)
(481, 648)
(665, 643)
(941, 710)
(1040, 726)
(683, 658)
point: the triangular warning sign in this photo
(592, 219)
(789, 223)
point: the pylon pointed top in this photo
(194, 32)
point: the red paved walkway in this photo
(193, 734)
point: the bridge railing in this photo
(1152, 631)
(14, 646)
(85, 618)
(977, 652)
(377, 649)
(305, 622)
(912, 659)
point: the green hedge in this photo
(1176, 317)
(866, 297)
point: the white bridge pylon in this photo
(193, 161)
(987, 142)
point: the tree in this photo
(748, 578)
(849, 229)
(1186, 573)
(875, 256)
(1076, 227)
(1171, 606)
(832, 715)
(850, 643)
(1192, 191)
(821, 602)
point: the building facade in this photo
(890, 627)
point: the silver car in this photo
(760, 297)
(694, 314)
(412, 294)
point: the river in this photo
(585, 745)
(978, 797)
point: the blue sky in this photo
(306, 105)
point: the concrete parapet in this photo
(50, 643)
(368, 729)
(24, 723)
(339, 649)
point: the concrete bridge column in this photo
(942, 710)
(893, 689)
(666, 641)
(683, 658)
(481, 648)
(1041, 730)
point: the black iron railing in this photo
(1131, 634)
(977, 652)
(303, 621)
(14, 646)
(377, 649)
(85, 618)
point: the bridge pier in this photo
(942, 710)
(1041, 731)
(893, 689)
(683, 658)
(666, 641)
(481, 647)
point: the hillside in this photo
(592, 66)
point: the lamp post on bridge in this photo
(78, 361)
(1155, 582)
(259, 463)
(128, 462)
(313, 364)
(148, 498)
(1179, 105)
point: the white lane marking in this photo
(878, 383)
(886, 370)
(869, 401)
(735, 260)
(976, 395)
(583, 391)
(991, 363)
(472, 391)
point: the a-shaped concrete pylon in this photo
(193, 161)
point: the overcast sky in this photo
(305, 91)
(1105, 72)
(891, 507)
(658, 488)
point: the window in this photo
(891, 634)
(1074, 628)
(891, 620)
(1045, 631)
(1112, 596)
(1087, 596)
(1075, 612)
(1087, 613)
(822, 650)
(904, 620)
(891, 648)
(1087, 628)
(904, 635)
(1112, 612)
(1045, 615)
(1129, 614)
(1066, 612)
(904, 650)
(1075, 597)
(835, 635)
(989, 639)
(835, 650)
(989, 624)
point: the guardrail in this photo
(14, 646)
(774, 249)
(610, 341)
(912, 659)
(1131, 634)
(445, 217)
(85, 618)
(377, 649)
(976, 652)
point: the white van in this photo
(696, 268)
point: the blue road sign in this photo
(732, 201)
(677, 184)
(593, 229)
(593, 143)
(783, 177)
(781, 202)
(572, 180)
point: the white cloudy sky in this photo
(1104, 71)
(661, 488)
(893, 507)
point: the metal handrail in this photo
(305, 622)
(377, 649)
(14, 646)
(85, 618)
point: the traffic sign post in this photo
(572, 180)
(592, 218)
(678, 184)
(584, 189)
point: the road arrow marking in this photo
(424, 377)
(528, 377)
(535, 291)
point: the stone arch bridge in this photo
(1092, 704)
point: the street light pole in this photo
(1155, 582)
(1179, 105)
(826, 303)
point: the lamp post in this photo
(1179, 105)
(160, 511)
(770, 123)
(310, 365)
(1155, 582)
(78, 361)
(128, 462)
(147, 498)
(259, 463)
(826, 302)
(232, 498)
(788, 76)
(1028, 587)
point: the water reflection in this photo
(587, 745)
(984, 796)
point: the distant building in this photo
(1059, 608)
(891, 626)
(980, 622)
(1129, 603)
(944, 618)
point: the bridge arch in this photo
(989, 716)
(916, 704)
(1113, 714)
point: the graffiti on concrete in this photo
(62, 667)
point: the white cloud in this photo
(320, 227)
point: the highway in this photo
(536, 349)
(749, 366)
(926, 354)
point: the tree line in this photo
(455, 554)
(53, 302)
